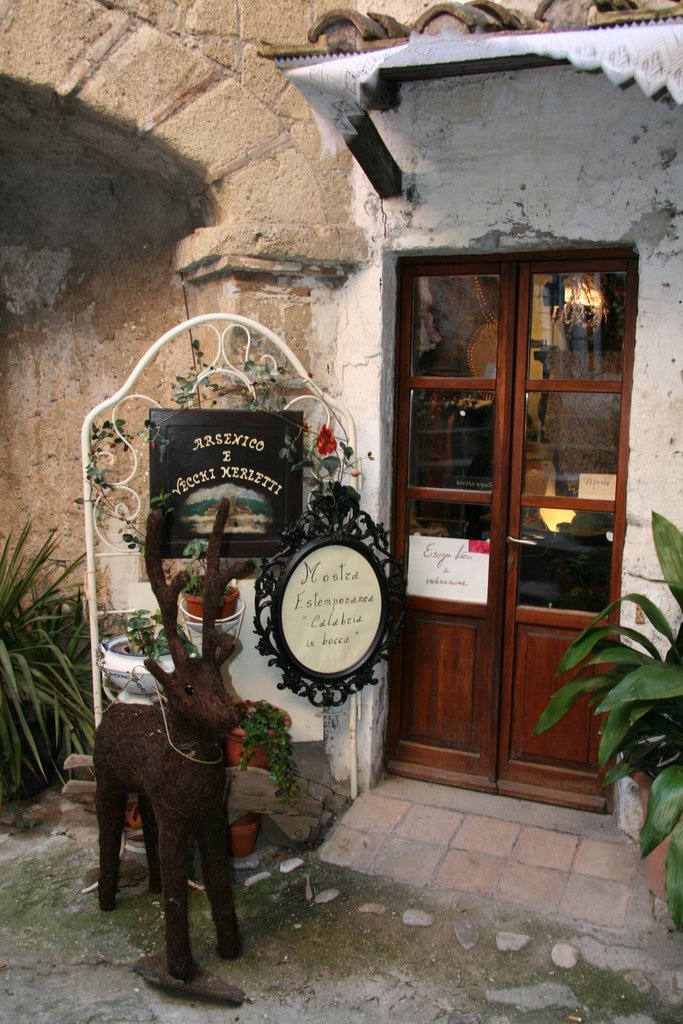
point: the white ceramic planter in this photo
(125, 676)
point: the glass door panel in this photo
(572, 443)
(565, 559)
(577, 325)
(451, 440)
(455, 325)
(448, 550)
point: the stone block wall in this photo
(156, 166)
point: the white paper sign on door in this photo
(598, 485)
(448, 569)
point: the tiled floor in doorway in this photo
(570, 864)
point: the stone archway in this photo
(131, 127)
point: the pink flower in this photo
(326, 443)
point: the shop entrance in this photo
(513, 390)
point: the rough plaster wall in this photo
(123, 123)
(126, 123)
(533, 160)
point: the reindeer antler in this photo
(166, 593)
(218, 646)
(215, 645)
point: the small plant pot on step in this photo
(234, 744)
(243, 834)
(262, 740)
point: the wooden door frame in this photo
(514, 270)
(513, 779)
(485, 761)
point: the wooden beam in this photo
(374, 158)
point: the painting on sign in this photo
(198, 457)
(330, 603)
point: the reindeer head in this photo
(195, 689)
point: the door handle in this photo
(522, 540)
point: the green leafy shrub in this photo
(267, 726)
(639, 690)
(45, 666)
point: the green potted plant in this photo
(45, 673)
(639, 690)
(122, 657)
(194, 588)
(262, 740)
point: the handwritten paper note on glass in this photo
(598, 485)
(448, 569)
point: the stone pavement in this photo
(565, 864)
(353, 942)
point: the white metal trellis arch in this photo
(224, 327)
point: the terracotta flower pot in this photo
(133, 819)
(195, 604)
(654, 862)
(234, 741)
(243, 833)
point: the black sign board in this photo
(199, 456)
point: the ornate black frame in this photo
(331, 518)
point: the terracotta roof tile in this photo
(343, 30)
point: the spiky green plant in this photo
(639, 691)
(45, 668)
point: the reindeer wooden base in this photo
(169, 753)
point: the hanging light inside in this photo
(584, 302)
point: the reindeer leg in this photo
(213, 850)
(173, 842)
(111, 816)
(149, 830)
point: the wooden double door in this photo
(512, 403)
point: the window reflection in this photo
(451, 440)
(455, 325)
(569, 560)
(577, 325)
(571, 439)
(449, 519)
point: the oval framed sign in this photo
(331, 609)
(330, 604)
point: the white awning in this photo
(649, 55)
(341, 90)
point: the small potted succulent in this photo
(193, 590)
(262, 740)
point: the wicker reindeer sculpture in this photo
(169, 753)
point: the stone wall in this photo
(154, 167)
(128, 128)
